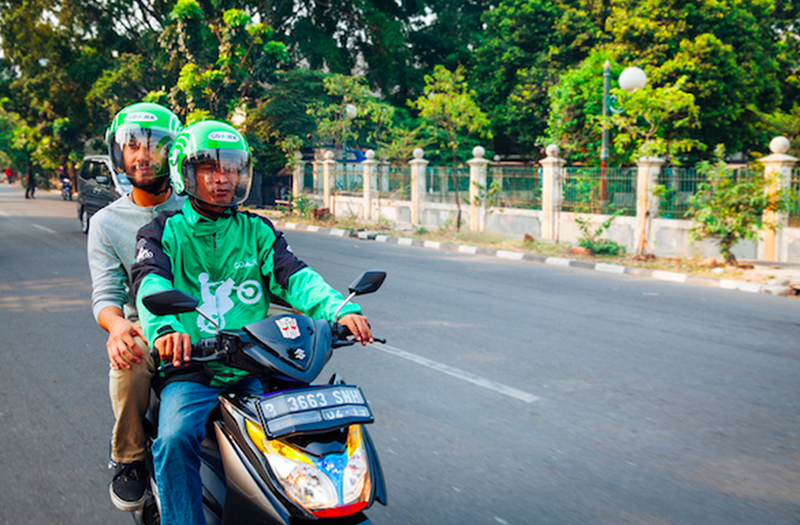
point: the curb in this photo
(726, 284)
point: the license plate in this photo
(312, 409)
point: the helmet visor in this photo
(220, 177)
(141, 153)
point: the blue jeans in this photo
(182, 417)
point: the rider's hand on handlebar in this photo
(174, 347)
(359, 327)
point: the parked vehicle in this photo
(300, 452)
(98, 186)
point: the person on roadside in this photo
(209, 250)
(9, 175)
(30, 183)
(138, 142)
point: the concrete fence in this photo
(414, 202)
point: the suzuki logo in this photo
(297, 354)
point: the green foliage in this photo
(489, 196)
(449, 109)
(370, 123)
(652, 121)
(576, 105)
(728, 208)
(591, 239)
(452, 115)
(303, 206)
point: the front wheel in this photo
(84, 220)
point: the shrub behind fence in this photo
(593, 190)
(517, 186)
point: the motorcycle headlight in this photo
(331, 486)
(356, 485)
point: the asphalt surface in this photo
(509, 392)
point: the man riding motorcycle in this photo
(233, 261)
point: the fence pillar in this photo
(778, 165)
(477, 180)
(328, 172)
(297, 175)
(369, 166)
(418, 165)
(646, 203)
(551, 191)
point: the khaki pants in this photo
(130, 396)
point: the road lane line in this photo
(459, 374)
(48, 230)
(4, 214)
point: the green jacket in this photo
(230, 265)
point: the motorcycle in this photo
(300, 452)
(66, 188)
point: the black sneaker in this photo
(128, 486)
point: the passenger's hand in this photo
(175, 347)
(359, 327)
(122, 349)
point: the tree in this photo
(729, 207)
(727, 50)
(652, 120)
(372, 116)
(450, 109)
(576, 105)
(525, 45)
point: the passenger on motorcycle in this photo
(231, 261)
(138, 141)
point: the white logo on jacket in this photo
(142, 253)
(216, 299)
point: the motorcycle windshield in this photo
(293, 340)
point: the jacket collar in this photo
(203, 226)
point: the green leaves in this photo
(730, 206)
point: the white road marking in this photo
(4, 214)
(48, 230)
(459, 374)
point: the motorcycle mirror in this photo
(369, 282)
(170, 302)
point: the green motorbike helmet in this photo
(216, 155)
(139, 139)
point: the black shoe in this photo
(128, 486)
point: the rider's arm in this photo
(293, 281)
(152, 272)
(109, 294)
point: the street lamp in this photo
(349, 112)
(631, 79)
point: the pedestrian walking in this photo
(30, 183)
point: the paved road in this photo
(509, 392)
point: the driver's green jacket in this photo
(231, 265)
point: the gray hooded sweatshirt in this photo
(112, 251)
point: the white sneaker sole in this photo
(126, 506)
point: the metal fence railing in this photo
(516, 186)
(440, 187)
(680, 184)
(794, 213)
(393, 182)
(349, 179)
(594, 190)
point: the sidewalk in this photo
(766, 277)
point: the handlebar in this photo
(206, 350)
